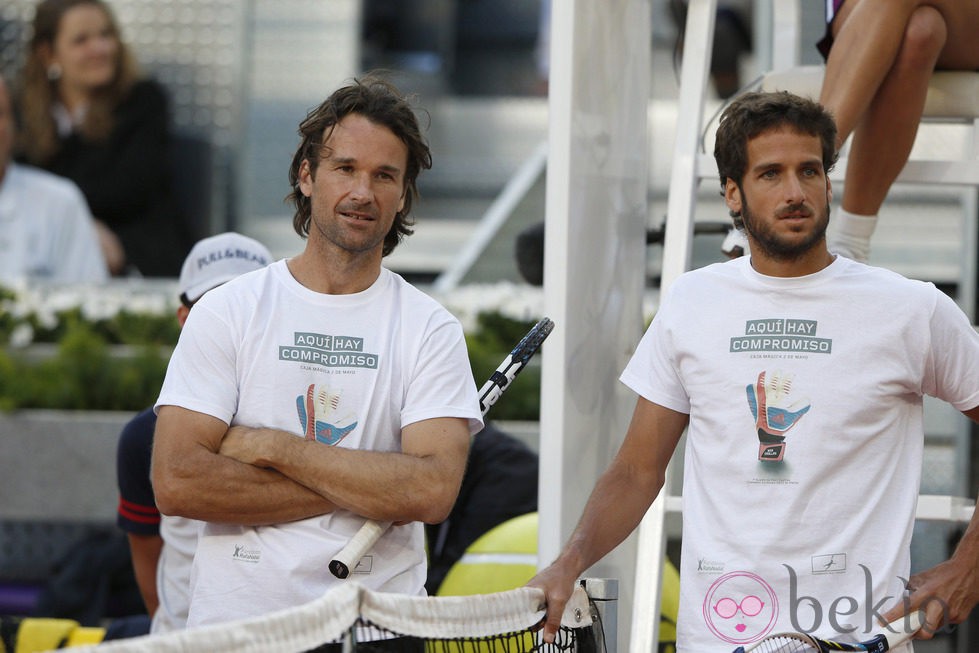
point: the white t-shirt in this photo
(173, 572)
(349, 370)
(46, 230)
(804, 448)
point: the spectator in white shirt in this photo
(46, 230)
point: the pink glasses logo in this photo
(750, 606)
(740, 607)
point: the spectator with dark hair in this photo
(88, 116)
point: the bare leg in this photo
(869, 34)
(884, 136)
(868, 37)
(876, 81)
(961, 51)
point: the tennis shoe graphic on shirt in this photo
(319, 415)
(768, 401)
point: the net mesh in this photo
(351, 618)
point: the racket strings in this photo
(786, 644)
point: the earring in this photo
(54, 72)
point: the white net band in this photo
(343, 609)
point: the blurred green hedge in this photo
(87, 370)
(83, 373)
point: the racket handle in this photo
(915, 621)
(371, 531)
(357, 547)
(900, 631)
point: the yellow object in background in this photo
(35, 635)
(86, 636)
(505, 558)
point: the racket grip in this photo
(901, 630)
(357, 547)
(915, 621)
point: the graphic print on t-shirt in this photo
(778, 337)
(775, 411)
(321, 414)
(770, 400)
(324, 413)
(326, 350)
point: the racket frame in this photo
(894, 633)
(490, 392)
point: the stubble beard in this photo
(336, 235)
(776, 247)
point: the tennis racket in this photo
(500, 380)
(893, 634)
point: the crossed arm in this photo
(616, 505)
(255, 476)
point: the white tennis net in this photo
(353, 618)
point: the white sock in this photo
(851, 237)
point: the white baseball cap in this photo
(218, 259)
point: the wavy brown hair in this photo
(38, 134)
(380, 102)
(753, 114)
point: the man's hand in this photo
(558, 582)
(946, 594)
(949, 591)
(192, 479)
(247, 445)
(617, 504)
